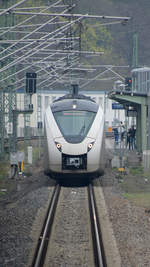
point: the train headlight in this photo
(90, 146)
(58, 145)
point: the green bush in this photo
(137, 170)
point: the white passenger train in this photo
(74, 136)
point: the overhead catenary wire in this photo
(54, 53)
(33, 64)
(49, 55)
(10, 8)
(23, 69)
(20, 26)
(72, 15)
(40, 40)
(108, 69)
(32, 47)
(48, 77)
(18, 60)
(29, 53)
(33, 8)
(28, 35)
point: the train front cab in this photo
(78, 147)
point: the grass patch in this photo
(136, 170)
(115, 169)
(4, 168)
(3, 193)
(139, 199)
(146, 175)
(35, 154)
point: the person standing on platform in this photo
(129, 138)
(116, 135)
(132, 133)
(122, 131)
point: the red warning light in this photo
(128, 83)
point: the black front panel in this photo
(72, 162)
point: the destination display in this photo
(117, 106)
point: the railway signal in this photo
(31, 83)
(128, 83)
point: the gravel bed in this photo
(131, 224)
(71, 242)
(18, 211)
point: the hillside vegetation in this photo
(122, 36)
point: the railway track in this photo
(98, 243)
(40, 252)
(71, 215)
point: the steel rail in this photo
(99, 250)
(45, 233)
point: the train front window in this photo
(74, 124)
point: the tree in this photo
(96, 38)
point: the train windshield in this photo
(74, 124)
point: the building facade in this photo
(43, 99)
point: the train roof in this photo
(72, 96)
(143, 69)
(80, 102)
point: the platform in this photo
(120, 156)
